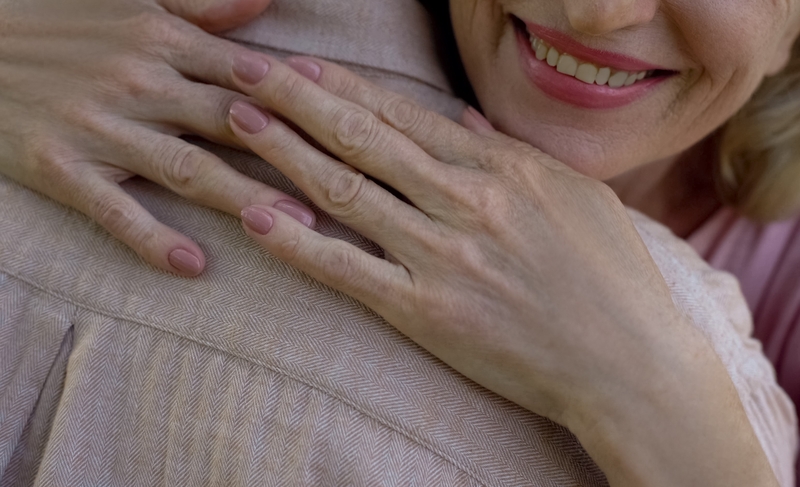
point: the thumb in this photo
(216, 15)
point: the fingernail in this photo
(250, 67)
(306, 67)
(257, 219)
(296, 211)
(480, 118)
(249, 118)
(185, 262)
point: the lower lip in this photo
(575, 92)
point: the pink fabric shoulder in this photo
(766, 260)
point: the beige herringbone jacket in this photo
(115, 374)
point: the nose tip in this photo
(598, 17)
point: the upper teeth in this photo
(587, 72)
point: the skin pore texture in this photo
(466, 283)
(714, 54)
(638, 385)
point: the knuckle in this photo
(500, 161)
(345, 192)
(119, 218)
(467, 255)
(484, 199)
(494, 209)
(153, 31)
(492, 199)
(344, 85)
(111, 213)
(114, 214)
(73, 114)
(290, 249)
(282, 143)
(136, 82)
(52, 165)
(355, 131)
(221, 112)
(81, 116)
(488, 207)
(405, 115)
(290, 90)
(337, 266)
(183, 171)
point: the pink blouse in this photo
(766, 260)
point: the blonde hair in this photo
(758, 171)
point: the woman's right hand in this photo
(94, 92)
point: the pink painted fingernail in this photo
(479, 118)
(249, 118)
(306, 67)
(257, 219)
(296, 211)
(185, 262)
(250, 67)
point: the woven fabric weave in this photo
(116, 374)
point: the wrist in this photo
(674, 419)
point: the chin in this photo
(597, 142)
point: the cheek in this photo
(725, 43)
(596, 154)
(479, 26)
(731, 44)
(731, 38)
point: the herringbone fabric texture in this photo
(115, 374)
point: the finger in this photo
(192, 52)
(473, 120)
(124, 218)
(439, 136)
(200, 176)
(347, 130)
(202, 57)
(196, 109)
(216, 15)
(338, 264)
(334, 186)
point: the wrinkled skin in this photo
(720, 51)
(506, 264)
(486, 263)
(94, 92)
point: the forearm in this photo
(685, 425)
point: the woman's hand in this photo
(93, 92)
(517, 271)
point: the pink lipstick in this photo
(570, 72)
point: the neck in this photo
(677, 192)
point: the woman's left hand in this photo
(517, 271)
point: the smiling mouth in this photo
(591, 73)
